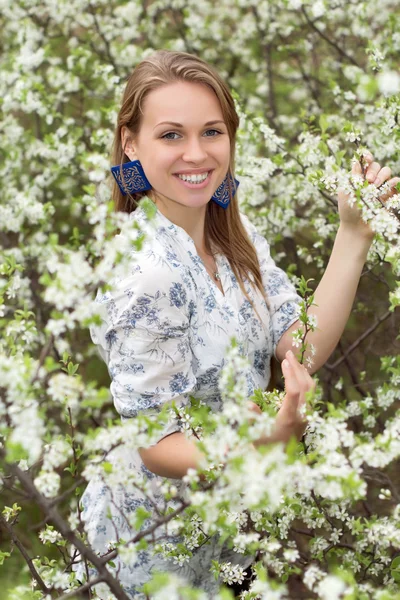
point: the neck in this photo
(192, 220)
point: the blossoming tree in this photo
(316, 83)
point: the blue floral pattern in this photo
(164, 334)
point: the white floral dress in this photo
(165, 331)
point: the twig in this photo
(25, 554)
(73, 473)
(358, 341)
(353, 374)
(54, 516)
(103, 38)
(67, 492)
(114, 553)
(84, 588)
(331, 42)
(42, 357)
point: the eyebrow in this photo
(181, 126)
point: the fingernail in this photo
(286, 364)
(377, 182)
(289, 353)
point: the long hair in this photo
(224, 230)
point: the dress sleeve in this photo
(145, 341)
(281, 293)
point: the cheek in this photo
(157, 164)
(224, 152)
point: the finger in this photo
(372, 172)
(289, 416)
(300, 370)
(304, 379)
(384, 174)
(292, 389)
(392, 188)
(291, 381)
(367, 159)
(254, 407)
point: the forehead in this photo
(183, 102)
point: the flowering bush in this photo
(315, 84)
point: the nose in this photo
(194, 151)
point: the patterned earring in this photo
(221, 195)
(132, 179)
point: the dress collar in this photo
(161, 221)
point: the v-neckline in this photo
(218, 263)
(184, 234)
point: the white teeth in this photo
(194, 178)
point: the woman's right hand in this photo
(289, 421)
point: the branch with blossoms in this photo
(308, 321)
(249, 479)
(60, 533)
(379, 213)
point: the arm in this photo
(335, 294)
(172, 456)
(334, 297)
(175, 454)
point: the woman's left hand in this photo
(350, 216)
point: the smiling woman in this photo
(203, 276)
(178, 122)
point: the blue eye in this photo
(165, 136)
(215, 130)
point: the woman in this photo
(203, 276)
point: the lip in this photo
(197, 186)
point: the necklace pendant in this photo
(217, 276)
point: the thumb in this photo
(253, 406)
(292, 389)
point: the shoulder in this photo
(152, 283)
(151, 271)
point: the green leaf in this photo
(140, 516)
(226, 594)
(15, 452)
(3, 556)
(323, 123)
(395, 569)
(72, 369)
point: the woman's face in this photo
(182, 132)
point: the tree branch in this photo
(53, 515)
(15, 539)
(330, 42)
(359, 340)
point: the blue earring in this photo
(133, 180)
(221, 195)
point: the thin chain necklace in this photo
(215, 274)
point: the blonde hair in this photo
(224, 230)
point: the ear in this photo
(127, 143)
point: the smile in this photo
(195, 181)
